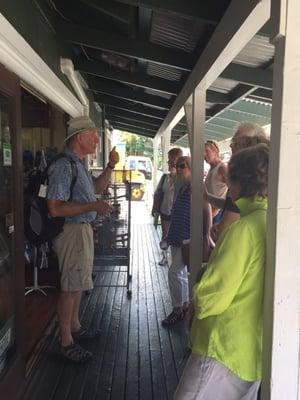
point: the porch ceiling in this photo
(136, 57)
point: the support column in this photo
(103, 136)
(156, 141)
(197, 146)
(188, 110)
(166, 141)
(282, 283)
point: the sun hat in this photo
(79, 124)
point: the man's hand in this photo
(113, 157)
(102, 207)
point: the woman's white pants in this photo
(178, 279)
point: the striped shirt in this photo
(180, 218)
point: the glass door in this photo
(11, 239)
(7, 267)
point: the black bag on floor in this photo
(39, 227)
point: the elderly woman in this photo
(226, 334)
(178, 232)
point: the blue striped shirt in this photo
(180, 218)
(60, 177)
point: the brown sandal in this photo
(74, 353)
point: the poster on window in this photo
(7, 155)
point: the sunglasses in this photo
(181, 166)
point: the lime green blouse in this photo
(229, 298)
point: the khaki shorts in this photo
(74, 248)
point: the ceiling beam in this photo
(122, 13)
(141, 80)
(136, 131)
(209, 11)
(123, 92)
(236, 28)
(142, 50)
(113, 111)
(133, 120)
(262, 95)
(249, 75)
(129, 105)
(131, 126)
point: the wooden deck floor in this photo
(135, 357)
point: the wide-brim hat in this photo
(78, 125)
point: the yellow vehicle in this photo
(136, 178)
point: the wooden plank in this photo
(133, 365)
(144, 340)
(103, 390)
(98, 347)
(159, 388)
(120, 369)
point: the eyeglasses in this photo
(180, 166)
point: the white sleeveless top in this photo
(213, 183)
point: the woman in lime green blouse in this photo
(226, 334)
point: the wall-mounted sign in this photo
(7, 155)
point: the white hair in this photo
(250, 129)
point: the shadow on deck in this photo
(135, 357)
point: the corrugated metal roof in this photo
(222, 85)
(224, 124)
(171, 74)
(171, 30)
(257, 53)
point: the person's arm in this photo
(225, 272)
(207, 224)
(102, 181)
(222, 171)
(59, 208)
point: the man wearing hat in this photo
(74, 246)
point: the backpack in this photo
(39, 227)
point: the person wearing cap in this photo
(74, 246)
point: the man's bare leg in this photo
(65, 307)
(75, 322)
